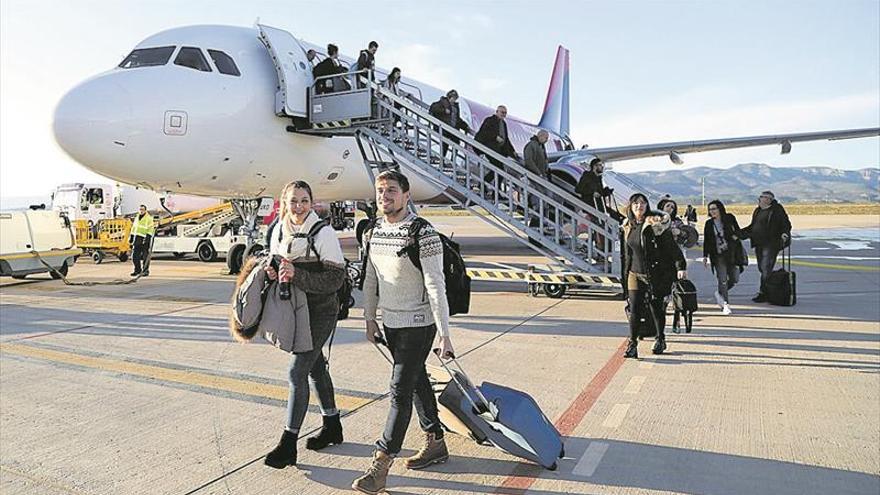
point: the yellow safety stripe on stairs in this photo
(536, 277)
(333, 124)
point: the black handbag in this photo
(740, 256)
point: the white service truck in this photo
(95, 202)
(31, 235)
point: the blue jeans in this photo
(310, 366)
(766, 262)
(727, 274)
(409, 385)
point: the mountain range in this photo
(744, 182)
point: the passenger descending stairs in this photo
(540, 214)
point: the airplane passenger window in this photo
(192, 58)
(146, 57)
(224, 63)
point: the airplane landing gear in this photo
(368, 207)
(342, 215)
(250, 212)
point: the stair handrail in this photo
(554, 243)
(553, 248)
(571, 198)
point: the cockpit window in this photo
(224, 63)
(192, 58)
(146, 57)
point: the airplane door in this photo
(294, 71)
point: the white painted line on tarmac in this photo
(646, 365)
(634, 385)
(590, 460)
(615, 417)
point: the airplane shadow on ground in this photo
(624, 465)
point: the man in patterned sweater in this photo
(414, 311)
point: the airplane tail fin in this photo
(555, 116)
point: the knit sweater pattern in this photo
(407, 297)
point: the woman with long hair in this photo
(722, 248)
(652, 262)
(311, 260)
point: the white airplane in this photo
(204, 110)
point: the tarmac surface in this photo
(138, 389)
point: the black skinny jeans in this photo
(638, 292)
(409, 384)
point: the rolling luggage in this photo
(493, 415)
(684, 302)
(448, 397)
(781, 285)
(509, 419)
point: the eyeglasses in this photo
(713, 209)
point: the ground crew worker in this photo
(414, 311)
(142, 231)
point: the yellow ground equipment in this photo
(195, 216)
(107, 237)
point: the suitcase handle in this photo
(381, 340)
(789, 257)
(487, 407)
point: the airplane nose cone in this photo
(92, 123)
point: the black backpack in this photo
(458, 283)
(343, 294)
(684, 301)
(684, 295)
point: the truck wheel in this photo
(235, 258)
(62, 269)
(97, 257)
(554, 290)
(206, 252)
(123, 257)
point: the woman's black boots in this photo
(632, 350)
(330, 434)
(284, 454)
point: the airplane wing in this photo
(673, 150)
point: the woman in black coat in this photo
(723, 248)
(653, 261)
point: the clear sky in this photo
(641, 72)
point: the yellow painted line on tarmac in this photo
(814, 264)
(832, 266)
(185, 377)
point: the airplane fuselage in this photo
(172, 128)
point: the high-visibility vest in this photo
(143, 226)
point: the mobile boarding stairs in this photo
(396, 130)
